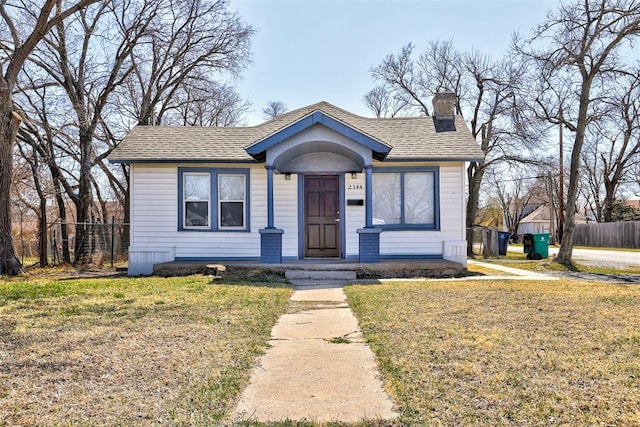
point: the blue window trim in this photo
(213, 198)
(435, 226)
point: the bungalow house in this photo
(315, 182)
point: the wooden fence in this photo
(608, 235)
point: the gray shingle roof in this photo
(411, 138)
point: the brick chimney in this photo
(444, 105)
(444, 111)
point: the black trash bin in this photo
(527, 244)
(503, 242)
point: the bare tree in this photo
(190, 45)
(273, 109)
(70, 60)
(382, 103)
(488, 97)
(17, 52)
(592, 182)
(217, 105)
(46, 130)
(576, 52)
(621, 130)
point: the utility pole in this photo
(561, 184)
(552, 209)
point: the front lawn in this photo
(126, 351)
(506, 353)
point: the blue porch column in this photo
(369, 236)
(270, 207)
(270, 237)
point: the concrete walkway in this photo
(304, 376)
(515, 273)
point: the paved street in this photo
(596, 257)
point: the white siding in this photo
(354, 216)
(285, 200)
(154, 215)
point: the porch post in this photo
(369, 196)
(270, 237)
(270, 215)
(369, 236)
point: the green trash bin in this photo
(539, 246)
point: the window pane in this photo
(232, 214)
(231, 187)
(196, 214)
(419, 200)
(386, 198)
(196, 186)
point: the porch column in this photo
(270, 214)
(368, 196)
(270, 237)
(369, 236)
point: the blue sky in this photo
(306, 51)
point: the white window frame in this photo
(243, 201)
(185, 201)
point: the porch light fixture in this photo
(354, 175)
(287, 176)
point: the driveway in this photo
(596, 257)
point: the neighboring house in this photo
(539, 221)
(315, 182)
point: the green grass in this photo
(506, 353)
(130, 351)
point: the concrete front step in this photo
(320, 275)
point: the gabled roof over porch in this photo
(318, 117)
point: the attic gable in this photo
(258, 149)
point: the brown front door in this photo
(321, 216)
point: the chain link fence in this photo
(104, 243)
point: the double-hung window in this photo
(231, 201)
(197, 200)
(213, 199)
(406, 199)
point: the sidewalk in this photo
(514, 273)
(304, 376)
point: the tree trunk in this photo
(475, 172)
(41, 213)
(566, 248)
(9, 123)
(42, 234)
(84, 201)
(609, 199)
(64, 231)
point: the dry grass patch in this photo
(128, 351)
(505, 353)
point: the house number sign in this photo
(355, 187)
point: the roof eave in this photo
(178, 160)
(435, 159)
